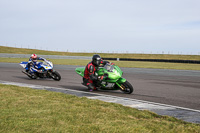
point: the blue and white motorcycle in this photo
(42, 70)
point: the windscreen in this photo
(45, 63)
(109, 67)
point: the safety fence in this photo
(155, 60)
(89, 58)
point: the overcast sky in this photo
(134, 26)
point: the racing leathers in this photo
(32, 64)
(90, 79)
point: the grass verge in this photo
(131, 64)
(27, 110)
(12, 50)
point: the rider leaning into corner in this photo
(32, 63)
(90, 78)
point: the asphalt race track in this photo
(172, 87)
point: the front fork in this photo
(119, 83)
(50, 73)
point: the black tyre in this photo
(56, 76)
(127, 88)
(33, 76)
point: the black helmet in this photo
(96, 60)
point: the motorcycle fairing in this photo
(23, 64)
(80, 71)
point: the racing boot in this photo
(91, 87)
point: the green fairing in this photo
(80, 71)
(121, 80)
(114, 78)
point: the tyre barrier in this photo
(155, 60)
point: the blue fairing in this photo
(39, 65)
(24, 62)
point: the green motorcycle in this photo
(113, 80)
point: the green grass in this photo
(27, 110)
(131, 64)
(12, 50)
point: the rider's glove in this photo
(100, 78)
(112, 63)
(42, 58)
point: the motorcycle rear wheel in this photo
(33, 76)
(127, 88)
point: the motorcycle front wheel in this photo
(56, 76)
(127, 88)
